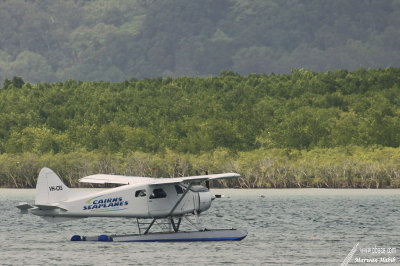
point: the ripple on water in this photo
(285, 227)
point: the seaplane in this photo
(164, 202)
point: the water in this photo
(286, 227)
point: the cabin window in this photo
(179, 189)
(140, 193)
(158, 193)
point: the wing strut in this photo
(180, 199)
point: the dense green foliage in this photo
(301, 110)
(52, 40)
(334, 129)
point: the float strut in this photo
(148, 228)
(175, 226)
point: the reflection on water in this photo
(286, 227)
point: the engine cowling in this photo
(205, 199)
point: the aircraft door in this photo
(159, 201)
(140, 202)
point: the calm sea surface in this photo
(286, 227)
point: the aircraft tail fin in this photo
(49, 188)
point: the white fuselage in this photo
(138, 201)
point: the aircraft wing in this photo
(175, 180)
(191, 179)
(132, 180)
(218, 176)
(114, 179)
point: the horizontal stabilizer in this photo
(48, 207)
(23, 206)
